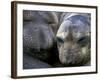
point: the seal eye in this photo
(60, 40)
(83, 41)
(49, 22)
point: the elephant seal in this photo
(74, 39)
(39, 29)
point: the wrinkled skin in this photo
(39, 29)
(73, 39)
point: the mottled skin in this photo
(39, 39)
(73, 39)
(39, 29)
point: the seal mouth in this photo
(41, 54)
(71, 58)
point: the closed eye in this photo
(60, 40)
(50, 22)
(83, 41)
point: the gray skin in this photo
(39, 29)
(73, 39)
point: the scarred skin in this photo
(73, 39)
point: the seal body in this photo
(39, 37)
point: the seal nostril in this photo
(69, 61)
(70, 51)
